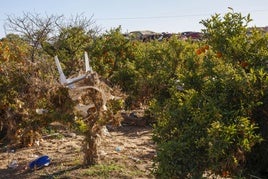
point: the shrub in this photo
(209, 122)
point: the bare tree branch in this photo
(83, 22)
(33, 27)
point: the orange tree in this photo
(245, 48)
(110, 53)
(13, 48)
(139, 68)
(209, 122)
(69, 46)
(113, 57)
(156, 64)
(231, 38)
(27, 90)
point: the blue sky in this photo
(156, 15)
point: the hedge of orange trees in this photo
(208, 98)
(215, 119)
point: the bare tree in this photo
(83, 22)
(33, 27)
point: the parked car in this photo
(143, 35)
(192, 35)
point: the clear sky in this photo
(156, 15)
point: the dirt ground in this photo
(124, 152)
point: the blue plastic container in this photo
(40, 162)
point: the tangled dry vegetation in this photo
(99, 110)
(124, 151)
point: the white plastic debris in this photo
(13, 164)
(41, 111)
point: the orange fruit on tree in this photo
(244, 64)
(198, 51)
(203, 50)
(206, 47)
(219, 54)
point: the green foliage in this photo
(115, 105)
(140, 69)
(81, 125)
(111, 53)
(113, 57)
(14, 48)
(69, 46)
(224, 33)
(237, 43)
(209, 98)
(209, 121)
(158, 62)
(212, 124)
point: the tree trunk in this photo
(90, 148)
